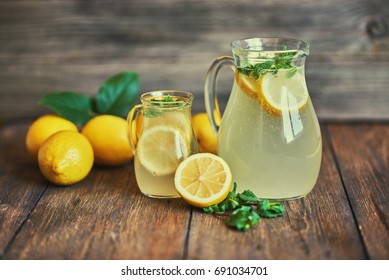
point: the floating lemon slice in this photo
(161, 149)
(277, 93)
(203, 179)
(280, 93)
(176, 119)
(247, 84)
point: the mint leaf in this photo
(246, 209)
(243, 218)
(247, 197)
(229, 203)
(262, 68)
(267, 209)
(73, 106)
(117, 95)
(282, 60)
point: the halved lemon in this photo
(161, 148)
(281, 93)
(203, 179)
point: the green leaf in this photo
(229, 203)
(243, 218)
(246, 209)
(247, 197)
(263, 67)
(280, 61)
(118, 94)
(73, 106)
(267, 209)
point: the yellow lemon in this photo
(42, 128)
(161, 148)
(203, 179)
(108, 137)
(66, 157)
(205, 135)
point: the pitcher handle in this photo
(133, 126)
(210, 93)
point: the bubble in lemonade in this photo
(269, 133)
(165, 140)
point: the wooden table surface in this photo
(105, 216)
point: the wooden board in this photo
(362, 152)
(103, 217)
(21, 184)
(106, 217)
(75, 45)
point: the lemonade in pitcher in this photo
(269, 134)
(165, 138)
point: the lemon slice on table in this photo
(280, 93)
(161, 149)
(203, 179)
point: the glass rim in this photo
(187, 96)
(260, 44)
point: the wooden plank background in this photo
(76, 44)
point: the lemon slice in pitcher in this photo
(247, 84)
(161, 149)
(282, 93)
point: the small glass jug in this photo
(269, 133)
(161, 134)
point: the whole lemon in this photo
(66, 157)
(206, 136)
(42, 128)
(108, 137)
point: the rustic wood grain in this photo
(75, 45)
(103, 217)
(363, 155)
(21, 185)
(320, 226)
(106, 217)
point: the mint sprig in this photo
(271, 65)
(243, 218)
(245, 209)
(161, 103)
(116, 96)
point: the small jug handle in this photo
(133, 126)
(210, 93)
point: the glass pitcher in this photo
(269, 133)
(161, 134)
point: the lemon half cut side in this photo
(203, 179)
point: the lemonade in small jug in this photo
(269, 133)
(161, 134)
